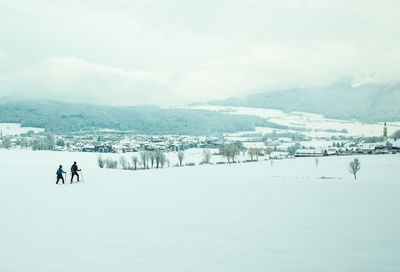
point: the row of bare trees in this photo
(145, 160)
(150, 159)
(232, 150)
(157, 159)
(255, 152)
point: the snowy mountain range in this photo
(341, 100)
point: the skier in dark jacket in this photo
(59, 173)
(74, 171)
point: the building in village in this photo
(385, 137)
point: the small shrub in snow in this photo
(202, 163)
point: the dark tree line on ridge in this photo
(60, 117)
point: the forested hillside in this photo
(368, 103)
(59, 117)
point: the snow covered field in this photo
(243, 217)
(16, 129)
(315, 123)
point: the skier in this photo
(74, 171)
(59, 173)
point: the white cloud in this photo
(75, 79)
(154, 51)
(69, 68)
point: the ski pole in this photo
(65, 177)
(82, 176)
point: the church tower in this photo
(385, 138)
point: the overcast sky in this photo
(169, 51)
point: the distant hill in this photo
(60, 117)
(368, 103)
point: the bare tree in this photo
(160, 158)
(292, 149)
(163, 159)
(230, 151)
(135, 161)
(239, 146)
(268, 151)
(233, 152)
(24, 143)
(100, 161)
(396, 135)
(206, 155)
(49, 142)
(6, 143)
(181, 155)
(354, 167)
(151, 158)
(36, 143)
(123, 162)
(226, 153)
(143, 157)
(257, 152)
(110, 163)
(147, 159)
(254, 152)
(157, 157)
(251, 153)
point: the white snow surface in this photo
(16, 129)
(310, 121)
(242, 217)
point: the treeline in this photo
(60, 117)
(148, 159)
(46, 142)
